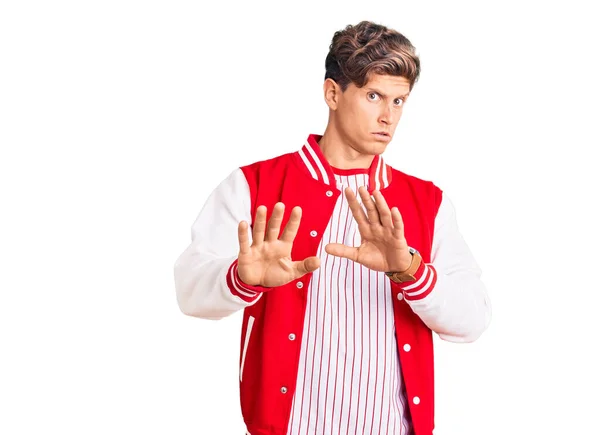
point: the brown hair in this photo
(367, 48)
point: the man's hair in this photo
(367, 48)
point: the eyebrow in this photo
(385, 96)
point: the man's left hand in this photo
(383, 247)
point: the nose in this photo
(385, 117)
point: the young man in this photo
(348, 267)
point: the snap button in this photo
(416, 400)
(299, 284)
(283, 390)
(292, 337)
(329, 193)
(406, 348)
(400, 296)
(313, 233)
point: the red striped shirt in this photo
(349, 377)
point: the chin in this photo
(380, 150)
(378, 147)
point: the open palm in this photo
(383, 246)
(268, 262)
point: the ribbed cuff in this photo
(426, 277)
(244, 291)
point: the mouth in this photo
(382, 135)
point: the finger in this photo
(307, 265)
(398, 222)
(275, 222)
(243, 237)
(340, 250)
(291, 228)
(357, 211)
(260, 222)
(385, 215)
(369, 204)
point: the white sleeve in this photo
(202, 284)
(457, 306)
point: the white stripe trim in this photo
(245, 293)
(425, 287)
(377, 171)
(237, 286)
(308, 165)
(246, 340)
(420, 281)
(321, 168)
(386, 183)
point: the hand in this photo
(268, 261)
(383, 246)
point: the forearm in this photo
(206, 281)
(208, 287)
(448, 294)
(454, 305)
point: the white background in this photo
(118, 118)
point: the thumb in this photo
(308, 265)
(340, 250)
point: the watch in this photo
(408, 274)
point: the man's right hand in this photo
(268, 262)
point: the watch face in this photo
(412, 250)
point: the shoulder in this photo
(425, 191)
(271, 163)
(413, 181)
(267, 173)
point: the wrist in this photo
(248, 293)
(407, 274)
(404, 264)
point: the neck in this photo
(339, 152)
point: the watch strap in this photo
(408, 274)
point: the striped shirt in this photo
(349, 379)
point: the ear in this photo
(331, 92)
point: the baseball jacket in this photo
(448, 296)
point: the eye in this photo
(372, 96)
(398, 101)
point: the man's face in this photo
(364, 113)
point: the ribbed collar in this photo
(314, 162)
